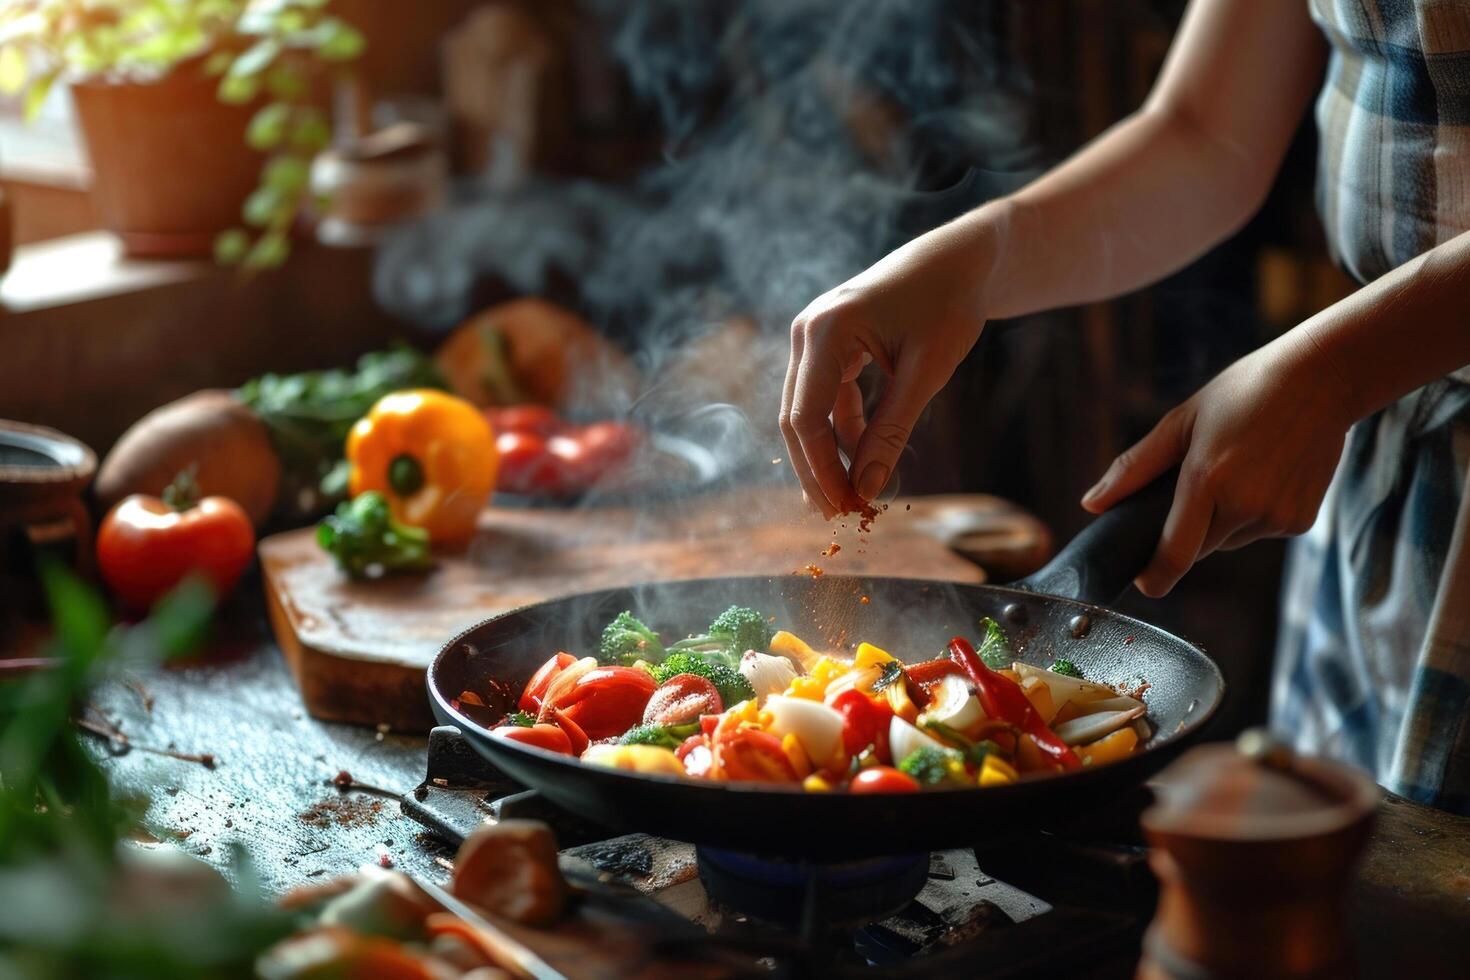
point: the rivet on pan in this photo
(1080, 625)
(1015, 613)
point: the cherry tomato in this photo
(541, 680)
(525, 464)
(681, 699)
(146, 547)
(605, 701)
(609, 444)
(751, 755)
(883, 779)
(695, 753)
(577, 469)
(534, 419)
(547, 737)
(864, 722)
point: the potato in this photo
(532, 350)
(210, 429)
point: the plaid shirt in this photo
(1373, 656)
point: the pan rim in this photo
(1183, 731)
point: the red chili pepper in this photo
(930, 671)
(541, 680)
(574, 733)
(1003, 698)
(542, 736)
(864, 722)
(605, 701)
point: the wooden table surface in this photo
(270, 790)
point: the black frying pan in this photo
(1053, 613)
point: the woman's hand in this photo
(1258, 447)
(915, 314)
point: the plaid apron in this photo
(1373, 655)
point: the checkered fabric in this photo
(1373, 656)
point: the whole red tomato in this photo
(533, 419)
(883, 779)
(145, 547)
(577, 470)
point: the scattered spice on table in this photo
(864, 599)
(344, 811)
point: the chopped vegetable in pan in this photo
(739, 703)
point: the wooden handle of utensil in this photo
(1100, 563)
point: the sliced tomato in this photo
(682, 699)
(865, 722)
(883, 779)
(708, 724)
(541, 680)
(574, 732)
(695, 753)
(605, 701)
(535, 419)
(751, 755)
(542, 736)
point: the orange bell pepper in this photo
(431, 454)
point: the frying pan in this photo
(1056, 612)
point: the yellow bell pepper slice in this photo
(1109, 748)
(796, 752)
(816, 784)
(431, 454)
(794, 648)
(635, 758)
(806, 687)
(995, 771)
(871, 656)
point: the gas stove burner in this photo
(801, 894)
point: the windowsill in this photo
(86, 267)
(49, 154)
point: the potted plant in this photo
(198, 115)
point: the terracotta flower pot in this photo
(169, 160)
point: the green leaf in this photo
(337, 41)
(36, 95)
(286, 174)
(285, 81)
(310, 133)
(995, 650)
(270, 250)
(230, 246)
(218, 63)
(81, 617)
(265, 206)
(13, 70)
(267, 129)
(180, 619)
(256, 59)
(238, 89)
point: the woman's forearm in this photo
(1166, 184)
(1399, 332)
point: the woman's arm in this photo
(1258, 444)
(1142, 200)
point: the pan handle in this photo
(1099, 564)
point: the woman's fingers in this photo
(887, 432)
(809, 487)
(1145, 460)
(1183, 536)
(848, 417)
(807, 419)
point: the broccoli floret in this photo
(727, 680)
(973, 753)
(521, 719)
(734, 631)
(995, 650)
(626, 640)
(670, 737)
(367, 540)
(1067, 669)
(932, 766)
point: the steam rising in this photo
(804, 140)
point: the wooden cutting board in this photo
(358, 650)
